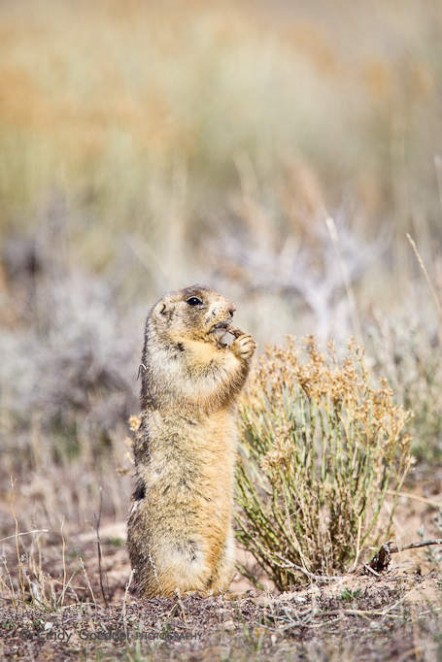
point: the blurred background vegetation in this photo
(278, 151)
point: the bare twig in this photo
(83, 567)
(63, 554)
(310, 575)
(126, 593)
(331, 227)
(415, 545)
(425, 272)
(370, 570)
(24, 533)
(415, 497)
(97, 529)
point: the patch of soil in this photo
(60, 602)
(367, 618)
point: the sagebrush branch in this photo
(414, 545)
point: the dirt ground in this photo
(59, 605)
(362, 618)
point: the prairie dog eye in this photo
(194, 301)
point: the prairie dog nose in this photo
(223, 308)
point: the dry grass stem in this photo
(431, 287)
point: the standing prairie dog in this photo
(194, 365)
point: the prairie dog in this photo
(194, 365)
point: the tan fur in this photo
(180, 535)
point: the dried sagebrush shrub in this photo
(320, 448)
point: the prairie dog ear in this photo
(163, 310)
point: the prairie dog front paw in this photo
(244, 346)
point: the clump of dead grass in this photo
(320, 448)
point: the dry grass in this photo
(320, 448)
(108, 106)
(176, 133)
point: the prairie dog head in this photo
(194, 313)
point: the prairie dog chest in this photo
(189, 369)
(191, 448)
